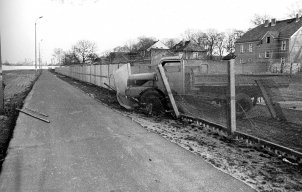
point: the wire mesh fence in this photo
(275, 113)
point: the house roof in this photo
(229, 56)
(119, 57)
(282, 29)
(186, 46)
(146, 46)
(158, 45)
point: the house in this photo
(150, 53)
(118, 57)
(145, 51)
(274, 46)
(189, 50)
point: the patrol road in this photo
(89, 147)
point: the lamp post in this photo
(36, 41)
(40, 62)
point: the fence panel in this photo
(276, 110)
(97, 75)
(199, 94)
(112, 68)
(104, 75)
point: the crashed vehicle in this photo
(148, 90)
(153, 90)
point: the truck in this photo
(155, 89)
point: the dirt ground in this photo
(18, 84)
(250, 164)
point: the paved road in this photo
(89, 147)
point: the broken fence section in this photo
(268, 106)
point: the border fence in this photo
(268, 106)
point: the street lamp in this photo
(40, 62)
(36, 41)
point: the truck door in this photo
(175, 76)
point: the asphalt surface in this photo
(89, 147)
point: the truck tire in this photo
(152, 101)
(243, 104)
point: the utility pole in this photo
(36, 41)
(1, 85)
(40, 62)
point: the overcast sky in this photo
(111, 23)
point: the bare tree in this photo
(260, 19)
(106, 53)
(211, 40)
(170, 42)
(213, 37)
(85, 51)
(124, 48)
(198, 37)
(70, 58)
(190, 34)
(58, 55)
(296, 8)
(220, 44)
(143, 42)
(231, 38)
(130, 44)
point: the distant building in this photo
(189, 50)
(117, 57)
(148, 54)
(274, 45)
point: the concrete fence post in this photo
(83, 74)
(108, 74)
(94, 74)
(90, 73)
(232, 109)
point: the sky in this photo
(112, 23)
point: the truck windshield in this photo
(172, 67)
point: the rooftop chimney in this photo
(266, 23)
(273, 23)
(297, 17)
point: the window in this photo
(268, 39)
(195, 55)
(241, 48)
(173, 67)
(267, 54)
(283, 45)
(282, 60)
(250, 47)
(241, 61)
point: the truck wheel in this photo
(151, 100)
(243, 104)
